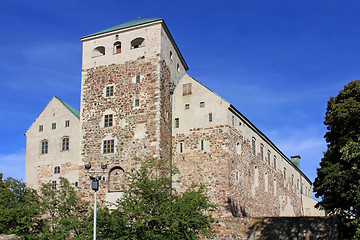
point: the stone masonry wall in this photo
(275, 228)
(134, 128)
(251, 194)
(230, 176)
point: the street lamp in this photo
(95, 186)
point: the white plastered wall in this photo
(54, 112)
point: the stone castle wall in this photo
(270, 228)
(135, 129)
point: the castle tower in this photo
(125, 113)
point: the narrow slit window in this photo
(262, 152)
(210, 117)
(137, 78)
(181, 147)
(202, 145)
(177, 122)
(253, 146)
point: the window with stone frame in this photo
(53, 126)
(108, 146)
(137, 43)
(262, 152)
(67, 123)
(202, 104)
(53, 185)
(187, 89)
(253, 146)
(109, 91)
(108, 120)
(56, 170)
(187, 106)
(269, 157)
(65, 144)
(44, 146)
(41, 128)
(137, 78)
(177, 122)
(98, 51)
(117, 47)
(116, 179)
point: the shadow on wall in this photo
(293, 228)
(236, 211)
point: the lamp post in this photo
(95, 187)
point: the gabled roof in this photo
(132, 23)
(70, 108)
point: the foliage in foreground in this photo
(150, 209)
(338, 178)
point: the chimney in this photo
(296, 160)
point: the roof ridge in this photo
(70, 108)
(125, 25)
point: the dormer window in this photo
(98, 51)
(137, 42)
(117, 47)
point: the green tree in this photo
(19, 209)
(152, 209)
(338, 178)
(66, 215)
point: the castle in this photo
(138, 102)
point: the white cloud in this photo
(13, 164)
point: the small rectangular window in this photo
(108, 146)
(53, 126)
(109, 91)
(233, 120)
(177, 122)
(137, 102)
(67, 123)
(202, 104)
(187, 89)
(187, 106)
(210, 117)
(137, 78)
(41, 128)
(108, 121)
(53, 185)
(76, 184)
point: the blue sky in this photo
(277, 62)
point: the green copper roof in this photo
(70, 108)
(126, 25)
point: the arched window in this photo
(57, 169)
(44, 147)
(98, 51)
(65, 144)
(116, 179)
(117, 47)
(137, 42)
